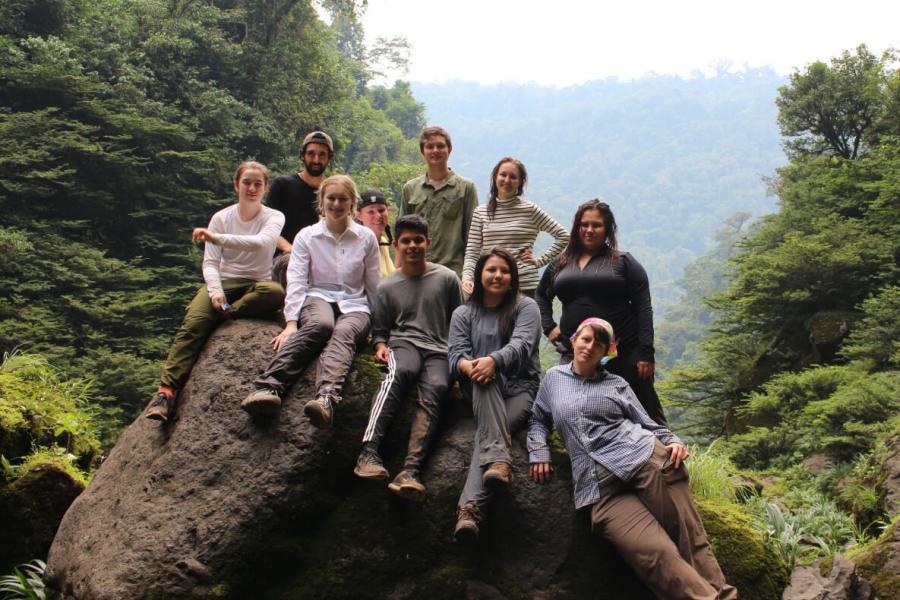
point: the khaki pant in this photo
(323, 329)
(653, 523)
(247, 298)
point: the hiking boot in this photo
(159, 407)
(369, 465)
(467, 521)
(497, 475)
(407, 485)
(320, 410)
(262, 402)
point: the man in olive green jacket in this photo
(445, 199)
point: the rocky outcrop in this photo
(839, 583)
(879, 566)
(216, 505)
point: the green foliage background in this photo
(120, 126)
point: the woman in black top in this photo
(592, 278)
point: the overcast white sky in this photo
(565, 42)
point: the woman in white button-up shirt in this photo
(332, 278)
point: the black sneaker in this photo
(369, 466)
(159, 407)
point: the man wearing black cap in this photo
(295, 196)
(372, 211)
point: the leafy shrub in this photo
(854, 417)
(25, 583)
(805, 526)
(713, 476)
(38, 408)
(876, 338)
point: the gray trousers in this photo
(407, 365)
(324, 330)
(497, 419)
(653, 523)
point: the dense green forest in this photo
(786, 344)
(120, 126)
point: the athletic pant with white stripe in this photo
(407, 365)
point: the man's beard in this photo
(314, 169)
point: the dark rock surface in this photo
(31, 508)
(216, 505)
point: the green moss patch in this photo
(747, 562)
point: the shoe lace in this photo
(470, 512)
(159, 399)
(370, 458)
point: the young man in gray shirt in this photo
(410, 325)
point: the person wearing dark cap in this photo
(294, 196)
(372, 212)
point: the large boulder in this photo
(216, 505)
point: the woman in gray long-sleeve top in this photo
(494, 353)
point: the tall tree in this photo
(832, 109)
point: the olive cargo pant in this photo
(248, 299)
(653, 523)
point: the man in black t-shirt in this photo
(295, 196)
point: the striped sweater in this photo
(515, 226)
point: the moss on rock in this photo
(880, 565)
(33, 505)
(749, 565)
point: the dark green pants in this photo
(247, 298)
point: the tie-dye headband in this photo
(611, 352)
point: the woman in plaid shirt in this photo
(627, 468)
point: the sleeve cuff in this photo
(541, 455)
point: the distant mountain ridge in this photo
(674, 157)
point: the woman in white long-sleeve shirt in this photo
(332, 279)
(237, 264)
(511, 222)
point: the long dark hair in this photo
(492, 196)
(575, 248)
(507, 306)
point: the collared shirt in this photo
(448, 209)
(599, 421)
(344, 269)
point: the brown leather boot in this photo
(468, 520)
(497, 475)
(407, 485)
